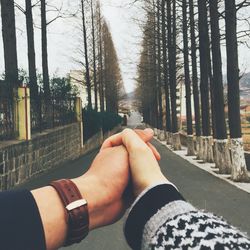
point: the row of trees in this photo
(182, 43)
(101, 65)
(99, 59)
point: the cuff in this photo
(145, 207)
(20, 222)
(166, 213)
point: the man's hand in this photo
(104, 184)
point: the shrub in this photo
(94, 121)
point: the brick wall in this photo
(20, 161)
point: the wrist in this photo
(87, 186)
(148, 181)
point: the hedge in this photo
(93, 121)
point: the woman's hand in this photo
(145, 170)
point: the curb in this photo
(208, 167)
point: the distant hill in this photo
(244, 86)
(128, 101)
(245, 81)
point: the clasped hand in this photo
(124, 158)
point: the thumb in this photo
(132, 141)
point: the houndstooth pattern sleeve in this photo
(197, 230)
(161, 219)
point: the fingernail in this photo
(149, 131)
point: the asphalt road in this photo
(199, 187)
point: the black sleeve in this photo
(145, 208)
(20, 222)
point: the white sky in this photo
(63, 40)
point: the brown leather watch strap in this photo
(76, 210)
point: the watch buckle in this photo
(76, 204)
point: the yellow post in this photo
(23, 109)
(78, 112)
(78, 109)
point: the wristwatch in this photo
(76, 210)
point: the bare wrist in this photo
(87, 186)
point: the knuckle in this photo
(127, 131)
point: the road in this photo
(199, 187)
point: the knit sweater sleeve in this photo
(161, 219)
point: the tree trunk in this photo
(211, 92)
(87, 76)
(222, 150)
(186, 70)
(239, 170)
(196, 94)
(159, 78)
(45, 67)
(165, 67)
(204, 67)
(31, 51)
(187, 79)
(171, 27)
(101, 85)
(155, 103)
(9, 43)
(94, 57)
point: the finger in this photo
(146, 134)
(155, 151)
(132, 141)
(116, 140)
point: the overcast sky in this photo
(63, 39)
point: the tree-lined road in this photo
(200, 188)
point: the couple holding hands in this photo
(125, 172)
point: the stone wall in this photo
(20, 161)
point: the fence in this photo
(7, 123)
(53, 112)
(21, 116)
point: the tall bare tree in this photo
(112, 74)
(94, 55)
(196, 93)
(187, 79)
(100, 59)
(31, 49)
(204, 84)
(171, 29)
(85, 40)
(45, 66)
(239, 172)
(222, 151)
(9, 43)
(159, 64)
(165, 65)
